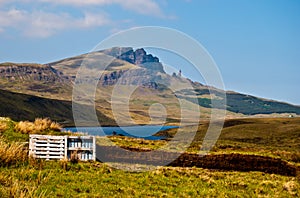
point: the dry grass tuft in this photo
(291, 187)
(3, 126)
(46, 124)
(39, 125)
(12, 187)
(64, 164)
(25, 127)
(36, 163)
(74, 159)
(12, 154)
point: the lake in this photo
(145, 132)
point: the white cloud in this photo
(44, 24)
(13, 16)
(146, 7)
(40, 23)
(92, 20)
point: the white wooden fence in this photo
(59, 147)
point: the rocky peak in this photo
(142, 57)
(137, 57)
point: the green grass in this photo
(98, 180)
(128, 142)
(38, 178)
(10, 135)
(276, 137)
(240, 103)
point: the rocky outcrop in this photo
(140, 77)
(22, 72)
(137, 57)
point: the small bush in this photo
(39, 125)
(12, 154)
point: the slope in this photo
(27, 107)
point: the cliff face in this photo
(34, 79)
(142, 77)
(34, 72)
(137, 57)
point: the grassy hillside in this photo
(70, 66)
(26, 107)
(50, 179)
(251, 105)
(275, 137)
(34, 79)
(21, 176)
(238, 103)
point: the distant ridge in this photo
(50, 86)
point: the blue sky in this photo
(256, 44)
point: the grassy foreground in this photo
(21, 176)
(50, 179)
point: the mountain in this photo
(36, 90)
